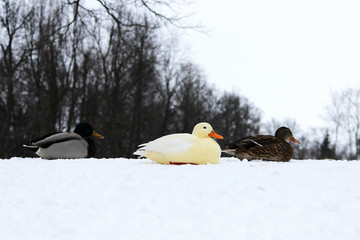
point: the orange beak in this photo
(95, 134)
(215, 135)
(294, 140)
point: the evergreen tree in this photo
(327, 151)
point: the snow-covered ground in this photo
(137, 199)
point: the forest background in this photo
(116, 67)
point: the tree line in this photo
(62, 63)
(113, 66)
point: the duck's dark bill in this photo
(95, 134)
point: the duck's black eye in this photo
(204, 127)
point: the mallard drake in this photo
(265, 147)
(184, 148)
(77, 144)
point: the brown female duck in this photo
(265, 147)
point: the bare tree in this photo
(236, 117)
(194, 98)
(159, 12)
(271, 126)
(169, 74)
(336, 114)
(13, 53)
(344, 114)
(61, 63)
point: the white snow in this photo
(137, 199)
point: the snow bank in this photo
(137, 199)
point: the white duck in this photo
(184, 148)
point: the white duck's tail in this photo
(141, 151)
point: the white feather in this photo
(174, 143)
(256, 143)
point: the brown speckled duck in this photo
(265, 147)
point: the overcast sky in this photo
(285, 56)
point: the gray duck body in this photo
(66, 144)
